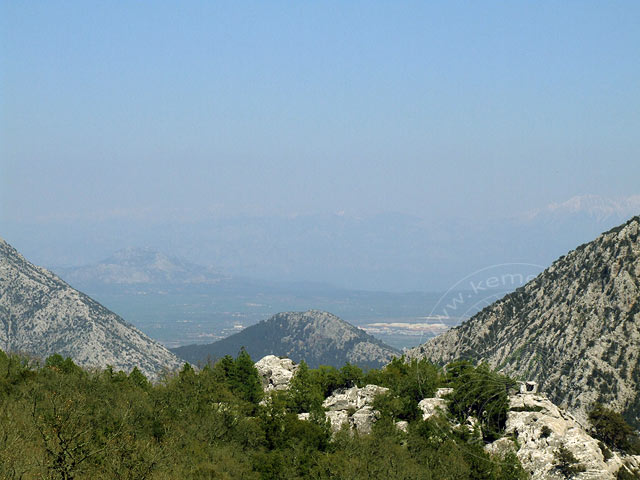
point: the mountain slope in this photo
(319, 338)
(575, 328)
(41, 315)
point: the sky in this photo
(435, 109)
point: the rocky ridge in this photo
(575, 328)
(41, 315)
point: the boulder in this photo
(432, 406)
(353, 398)
(338, 418)
(275, 372)
(351, 406)
(442, 392)
(402, 425)
(362, 421)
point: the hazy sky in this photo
(430, 108)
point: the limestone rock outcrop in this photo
(354, 407)
(536, 430)
(541, 429)
(431, 406)
(275, 372)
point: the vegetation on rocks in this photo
(59, 421)
(611, 428)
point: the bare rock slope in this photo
(41, 315)
(575, 329)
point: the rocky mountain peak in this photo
(319, 338)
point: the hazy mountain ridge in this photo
(595, 206)
(575, 328)
(385, 252)
(141, 266)
(40, 315)
(319, 338)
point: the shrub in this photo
(546, 432)
(482, 393)
(611, 428)
(605, 451)
(304, 394)
(625, 474)
(566, 463)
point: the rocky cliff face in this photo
(319, 338)
(575, 328)
(41, 315)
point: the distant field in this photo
(400, 320)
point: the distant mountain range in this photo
(575, 328)
(595, 206)
(41, 315)
(319, 338)
(141, 266)
(383, 252)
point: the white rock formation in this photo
(362, 421)
(354, 397)
(541, 428)
(442, 392)
(338, 418)
(353, 407)
(275, 373)
(431, 406)
(402, 425)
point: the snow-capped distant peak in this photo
(597, 206)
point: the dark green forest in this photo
(59, 421)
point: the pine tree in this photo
(304, 394)
(244, 380)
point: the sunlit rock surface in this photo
(275, 372)
(41, 315)
(575, 329)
